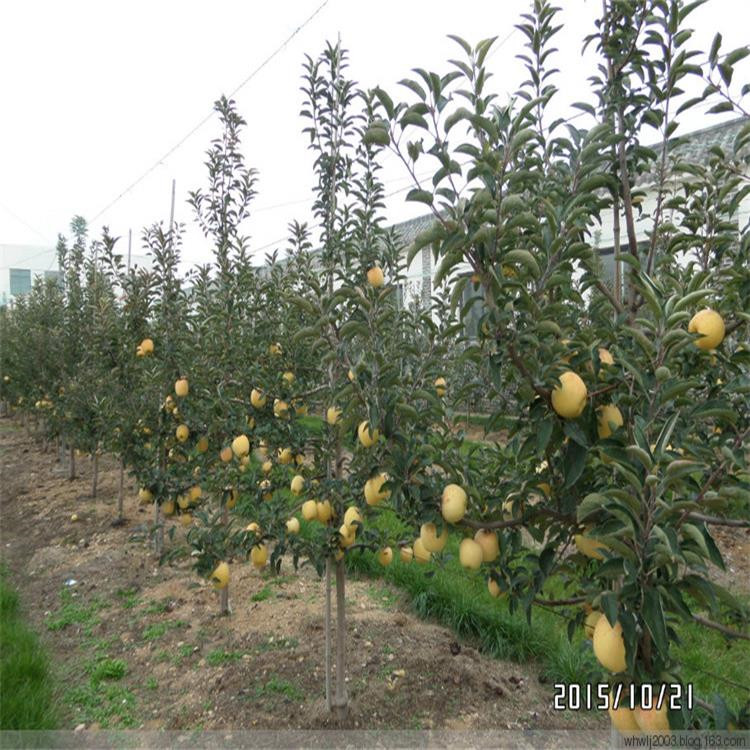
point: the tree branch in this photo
(721, 628)
(716, 521)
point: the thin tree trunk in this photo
(224, 599)
(341, 703)
(121, 491)
(72, 462)
(95, 477)
(26, 424)
(58, 446)
(329, 702)
(158, 530)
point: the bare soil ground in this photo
(136, 644)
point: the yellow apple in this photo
(366, 436)
(241, 446)
(259, 556)
(652, 720)
(297, 484)
(421, 554)
(375, 277)
(324, 510)
(181, 387)
(470, 554)
(405, 554)
(430, 539)
(440, 387)
(333, 414)
(220, 576)
(309, 510)
(226, 454)
(710, 325)
(347, 535)
(374, 492)
(608, 414)
(493, 588)
(609, 645)
(280, 408)
(257, 399)
(569, 397)
(453, 503)
(385, 556)
(292, 526)
(182, 433)
(489, 543)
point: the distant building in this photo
(20, 265)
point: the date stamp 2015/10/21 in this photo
(602, 696)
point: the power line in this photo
(24, 222)
(202, 122)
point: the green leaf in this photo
(525, 258)
(419, 196)
(609, 606)
(574, 461)
(590, 504)
(653, 617)
(544, 432)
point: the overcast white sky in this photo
(94, 93)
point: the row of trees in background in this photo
(302, 395)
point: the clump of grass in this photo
(105, 668)
(75, 612)
(261, 595)
(25, 684)
(278, 686)
(219, 656)
(159, 629)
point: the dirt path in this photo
(138, 645)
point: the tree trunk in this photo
(95, 477)
(59, 447)
(26, 424)
(224, 598)
(121, 491)
(158, 530)
(72, 462)
(329, 701)
(341, 702)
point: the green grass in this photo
(26, 700)
(262, 595)
(128, 598)
(714, 667)
(277, 686)
(74, 611)
(105, 703)
(158, 607)
(276, 645)
(219, 656)
(159, 629)
(104, 668)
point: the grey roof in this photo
(695, 146)
(408, 230)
